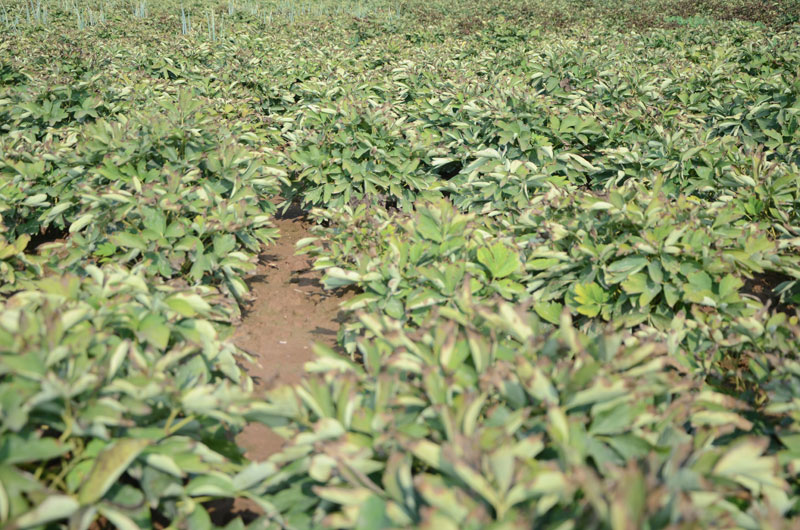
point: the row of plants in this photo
(633, 257)
(588, 320)
(127, 236)
(484, 416)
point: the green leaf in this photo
(199, 519)
(427, 451)
(635, 284)
(155, 330)
(729, 285)
(701, 281)
(105, 249)
(372, 514)
(656, 272)
(117, 518)
(558, 426)
(671, 294)
(745, 464)
(39, 199)
(253, 474)
(429, 228)
(591, 298)
(499, 260)
(217, 485)
(338, 277)
(128, 240)
(628, 266)
(542, 264)
(154, 220)
(549, 311)
(81, 222)
(188, 304)
(223, 244)
(17, 449)
(52, 508)
(5, 507)
(109, 465)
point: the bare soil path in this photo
(290, 312)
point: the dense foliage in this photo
(573, 228)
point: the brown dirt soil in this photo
(289, 313)
(763, 285)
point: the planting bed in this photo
(415, 264)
